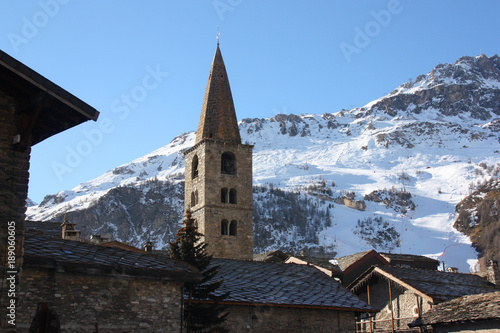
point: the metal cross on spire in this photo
(218, 34)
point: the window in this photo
(223, 195)
(194, 198)
(194, 167)
(228, 164)
(232, 228)
(224, 227)
(416, 311)
(228, 196)
(232, 196)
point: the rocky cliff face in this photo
(479, 217)
(405, 160)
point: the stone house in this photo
(401, 294)
(32, 109)
(470, 313)
(278, 297)
(83, 287)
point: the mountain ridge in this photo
(425, 138)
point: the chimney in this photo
(493, 274)
(68, 230)
(96, 239)
(148, 247)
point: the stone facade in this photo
(280, 319)
(90, 303)
(14, 166)
(221, 203)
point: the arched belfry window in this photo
(194, 167)
(224, 227)
(193, 199)
(228, 164)
(232, 228)
(232, 196)
(223, 195)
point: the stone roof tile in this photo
(346, 261)
(41, 249)
(484, 306)
(279, 284)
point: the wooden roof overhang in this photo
(284, 305)
(46, 108)
(375, 272)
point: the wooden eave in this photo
(279, 305)
(47, 108)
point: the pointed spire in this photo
(218, 116)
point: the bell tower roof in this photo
(218, 117)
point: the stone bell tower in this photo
(218, 177)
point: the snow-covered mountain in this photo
(387, 175)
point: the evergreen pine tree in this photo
(188, 247)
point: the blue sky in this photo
(144, 65)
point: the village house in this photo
(277, 297)
(401, 294)
(83, 287)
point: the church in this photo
(264, 296)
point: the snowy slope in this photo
(416, 140)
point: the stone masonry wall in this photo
(276, 319)
(115, 304)
(14, 166)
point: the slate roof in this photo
(52, 229)
(396, 257)
(41, 250)
(463, 309)
(123, 246)
(271, 256)
(286, 285)
(323, 264)
(346, 261)
(436, 286)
